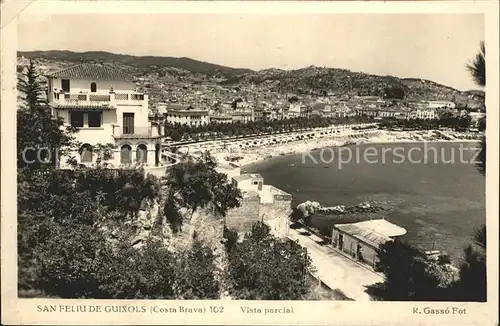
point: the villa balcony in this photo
(137, 132)
(98, 100)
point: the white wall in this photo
(93, 136)
(103, 86)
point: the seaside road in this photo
(337, 271)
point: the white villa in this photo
(441, 104)
(103, 104)
(423, 113)
(186, 115)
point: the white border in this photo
(15, 311)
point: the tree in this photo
(38, 132)
(196, 184)
(171, 211)
(195, 276)
(230, 238)
(472, 283)
(409, 276)
(71, 259)
(296, 215)
(265, 268)
(145, 273)
(477, 67)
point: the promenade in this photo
(336, 270)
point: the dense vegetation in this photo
(77, 229)
(40, 136)
(411, 276)
(262, 267)
(458, 123)
(178, 131)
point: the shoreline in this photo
(260, 155)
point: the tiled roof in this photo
(84, 107)
(179, 107)
(92, 71)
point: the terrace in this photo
(63, 100)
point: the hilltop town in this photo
(190, 92)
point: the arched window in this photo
(86, 153)
(126, 154)
(142, 153)
(93, 87)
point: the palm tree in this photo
(477, 67)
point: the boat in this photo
(326, 166)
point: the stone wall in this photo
(280, 208)
(276, 214)
(240, 219)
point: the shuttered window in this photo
(95, 119)
(128, 123)
(65, 85)
(76, 119)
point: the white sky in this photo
(430, 46)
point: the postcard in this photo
(237, 163)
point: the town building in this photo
(440, 104)
(186, 115)
(476, 117)
(258, 113)
(260, 202)
(321, 109)
(423, 113)
(103, 104)
(242, 116)
(361, 240)
(366, 111)
(220, 118)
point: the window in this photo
(142, 153)
(65, 85)
(93, 87)
(76, 119)
(95, 119)
(128, 123)
(86, 153)
(126, 154)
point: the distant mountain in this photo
(188, 64)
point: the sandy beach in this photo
(260, 153)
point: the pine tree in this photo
(472, 283)
(40, 136)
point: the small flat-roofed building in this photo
(273, 205)
(362, 239)
(246, 182)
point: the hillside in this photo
(318, 80)
(306, 81)
(187, 64)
